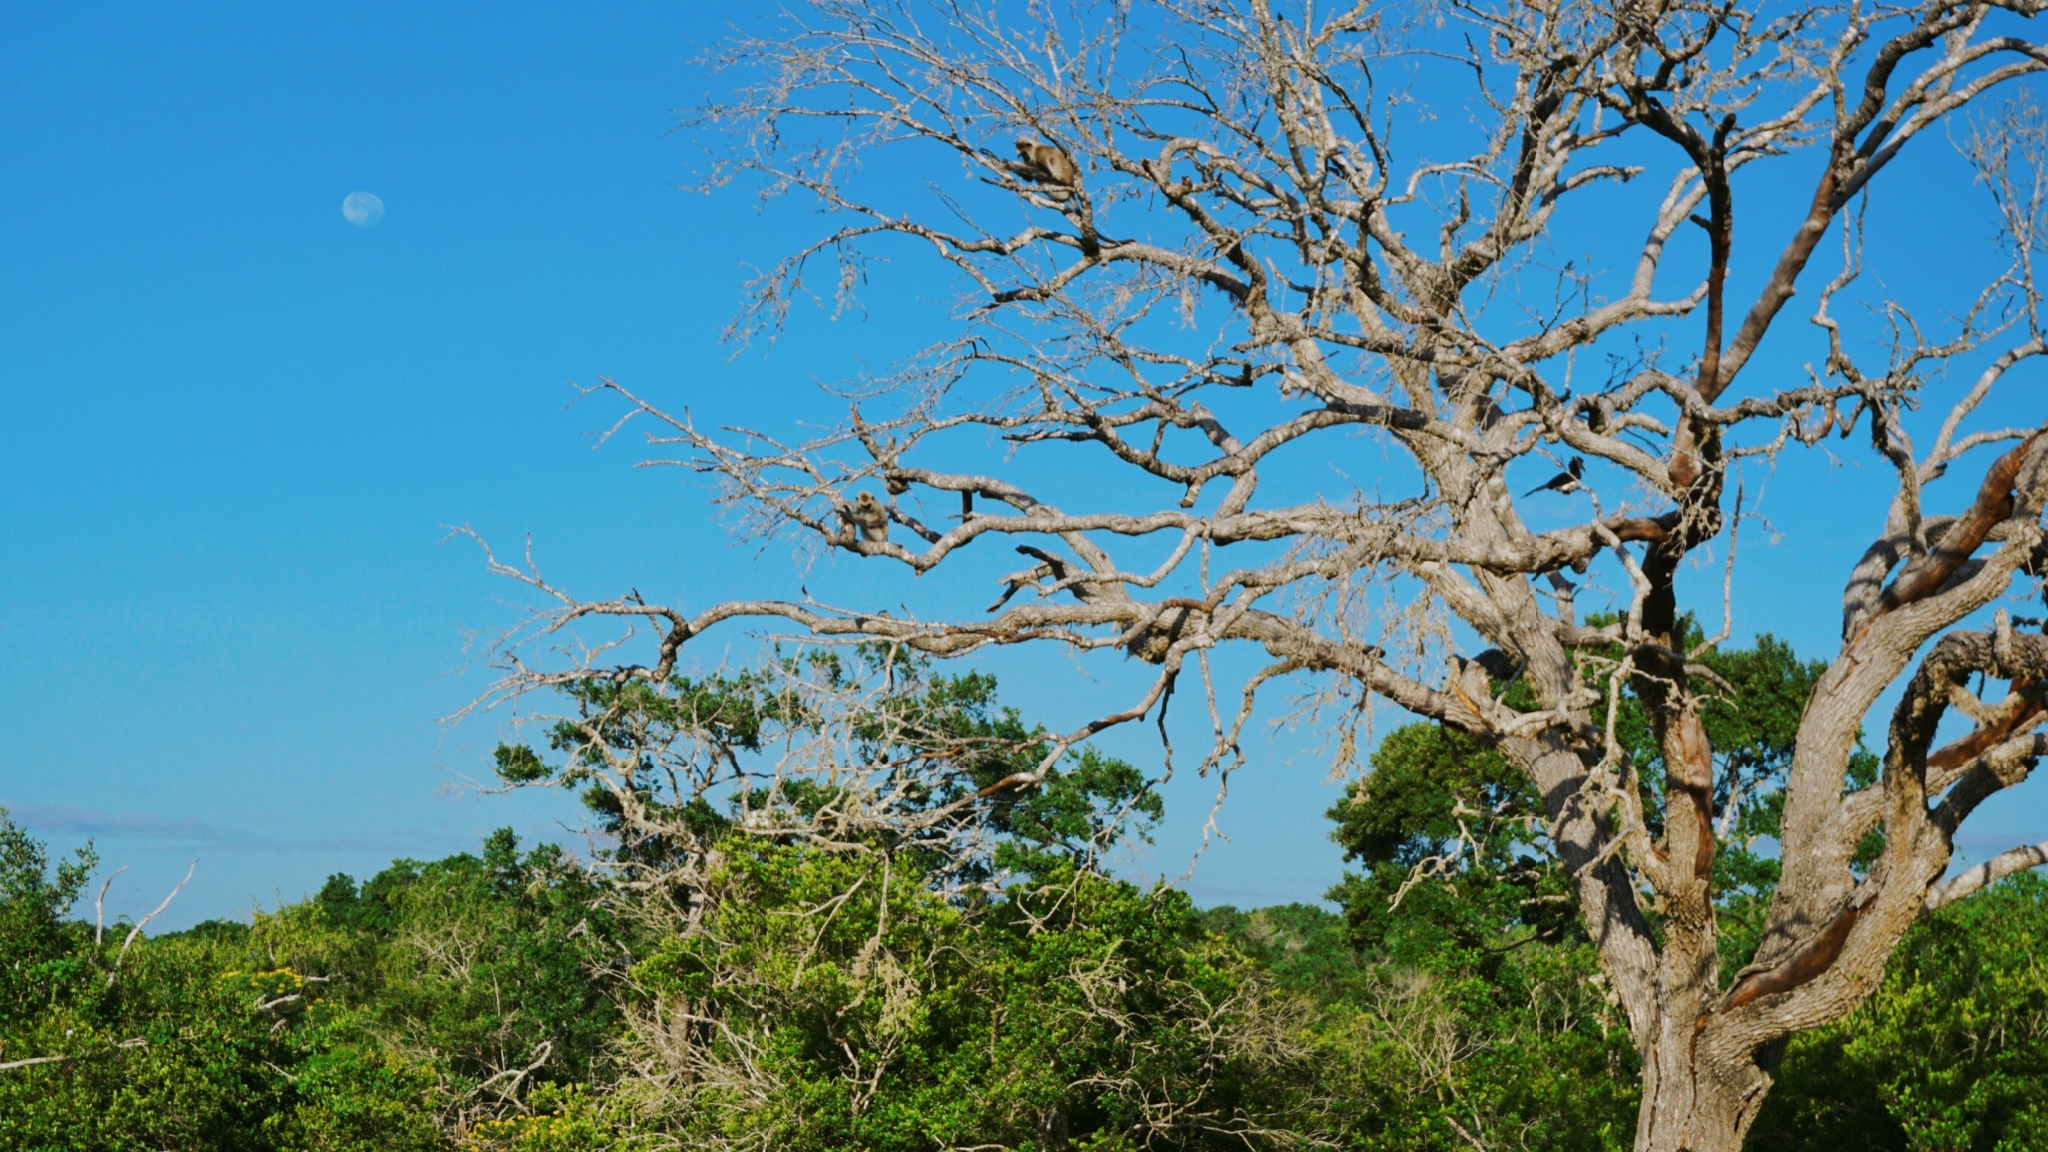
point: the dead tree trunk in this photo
(1692, 1101)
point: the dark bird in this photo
(1151, 644)
(1565, 482)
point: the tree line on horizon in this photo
(731, 976)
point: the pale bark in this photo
(1237, 165)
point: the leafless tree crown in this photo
(1200, 239)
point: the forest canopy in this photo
(783, 992)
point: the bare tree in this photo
(1199, 236)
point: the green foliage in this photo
(359, 1020)
(867, 992)
(1438, 1049)
(687, 758)
(1305, 950)
(124, 1048)
(1439, 802)
(1949, 1055)
(37, 945)
(360, 1098)
(565, 1119)
(836, 1001)
(480, 964)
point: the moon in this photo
(362, 209)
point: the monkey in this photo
(1159, 173)
(1153, 644)
(966, 505)
(868, 517)
(1565, 482)
(1045, 164)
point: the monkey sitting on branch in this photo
(867, 517)
(1043, 163)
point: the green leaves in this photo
(833, 1000)
(1444, 812)
(518, 764)
(1444, 825)
(484, 961)
(372, 1017)
(1468, 934)
(866, 745)
(1950, 1053)
(812, 992)
(37, 947)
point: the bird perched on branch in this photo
(1043, 163)
(1152, 644)
(1565, 482)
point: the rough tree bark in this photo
(1194, 234)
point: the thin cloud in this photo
(216, 838)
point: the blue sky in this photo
(235, 426)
